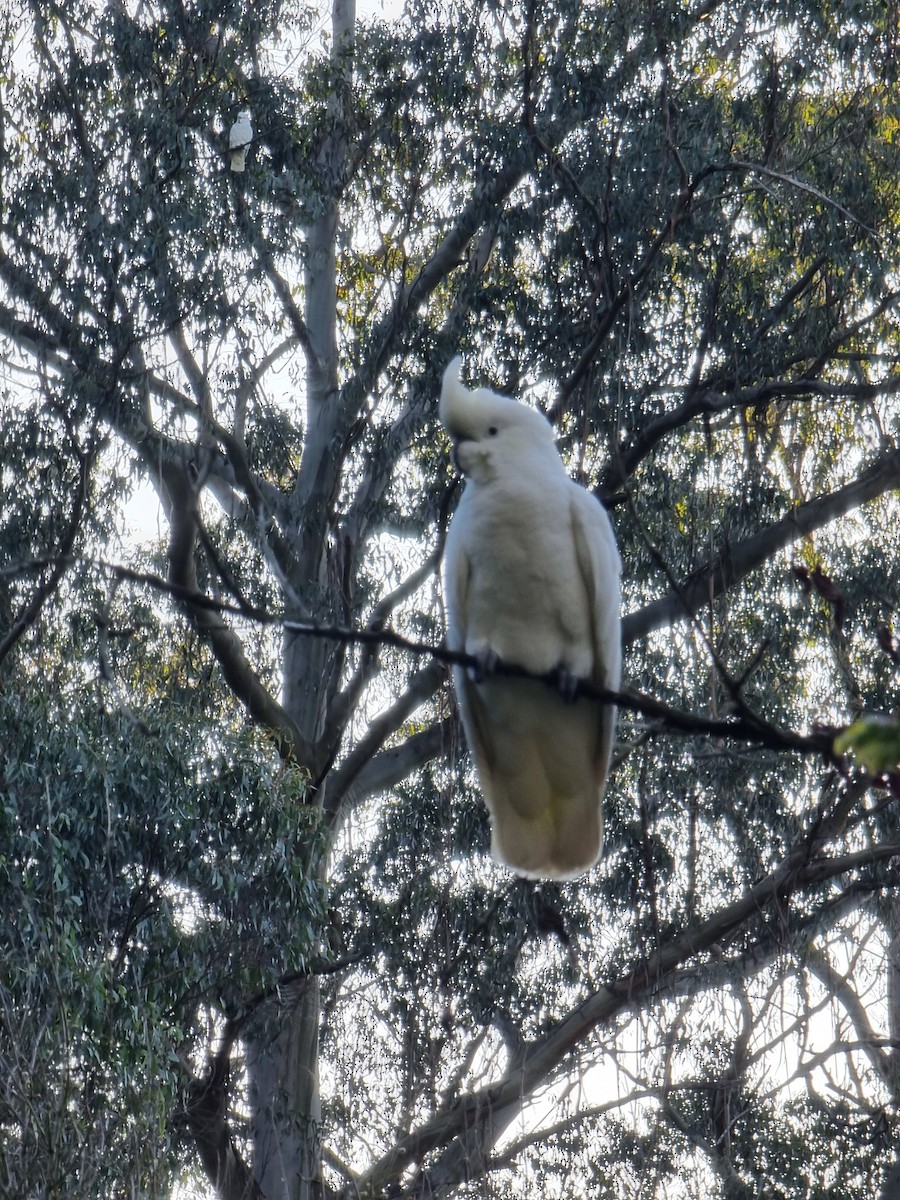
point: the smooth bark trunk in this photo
(283, 1040)
(286, 1122)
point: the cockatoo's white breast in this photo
(239, 138)
(241, 132)
(525, 597)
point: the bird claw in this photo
(567, 684)
(487, 660)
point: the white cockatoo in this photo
(239, 138)
(531, 577)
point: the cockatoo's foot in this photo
(567, 684)
(487, 660)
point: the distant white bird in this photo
(531, 577)
(239, 138)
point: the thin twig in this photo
(745, 726)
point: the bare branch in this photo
(775, 943)
(741, 558)
(478, 1119)
(486, 201)
(345, 702)
(421, 687)
(286, 296)
(705, 401)
(393, 765)
(840, 986)
(207, 614)
(750, 168)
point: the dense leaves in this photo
(153, 872)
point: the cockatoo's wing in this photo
(456, 571)
(600, 568)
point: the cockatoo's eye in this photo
(493, 430)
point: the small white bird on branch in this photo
(239, 138)
(531, 577)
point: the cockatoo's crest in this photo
(472, 414)
(488, 429)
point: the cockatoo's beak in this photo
(454, 453)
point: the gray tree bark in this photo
(286, 1120)
(282, 1042)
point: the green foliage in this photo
(152, 873)
(875, 743)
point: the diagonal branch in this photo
(394, 764)
(790, 295)
(181, 499)
(289, 304)
(738, 560)
(752, 168)
(423, 685)
(473, 1124)
(485, 202)
(840, 986)
(345, 702)
(706, 401)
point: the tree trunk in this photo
(893, 994)
(286, 1122)
(282, 1045)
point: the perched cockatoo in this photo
(531, 577)
(239, 138)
